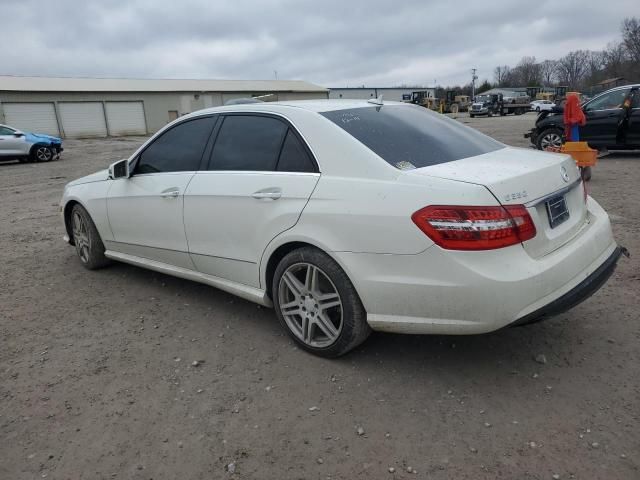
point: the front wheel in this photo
(550, 138)
(317, 303)
(42, 154)
(86, 238)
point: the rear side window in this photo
(248, 142)
(410, 136)
(294, 157)
(179, 149)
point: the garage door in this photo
(82, 119)
(31, 117)
(126, 118)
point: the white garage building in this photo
(100, 107)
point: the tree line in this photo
(579, 70)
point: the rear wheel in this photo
(549, 138)
(86, 238)
(317, 304)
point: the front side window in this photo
(6, 131)
(179, 149)
(609, 101)
(249, 143)
(411, 136)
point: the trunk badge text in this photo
(516, 195)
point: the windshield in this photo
(409, 136)
(483, 98)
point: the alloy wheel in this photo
(310, 304)
(551, 139)
(81, 237)
(44, 154)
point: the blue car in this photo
(28, 147)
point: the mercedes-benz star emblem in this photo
(564, 174)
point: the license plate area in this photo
(557, 210)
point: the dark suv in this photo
(610, 124)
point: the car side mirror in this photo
(119, 169)
(18, 134)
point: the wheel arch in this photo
(67, 209)
(276, 252)
(37, 145)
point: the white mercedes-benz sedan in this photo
(350, 216)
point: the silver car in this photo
(28, 147)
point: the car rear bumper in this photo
(455, 292)
(576, 295)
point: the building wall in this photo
(390, 94)
(156, 105)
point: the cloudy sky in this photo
(331, 42)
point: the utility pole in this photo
(275, 74)
(474, 77)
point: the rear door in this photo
(146, 210)
(259, 178)
(604, 114)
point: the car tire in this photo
(550, 137)
(303, 279)
(42, 153)
(471, 115)
(86, 238)
(538, 109)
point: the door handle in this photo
(268, 194)
(170, 194)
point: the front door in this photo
(257, 182)
(603, 115)
(633, 129)
(146, 210)
(10, 144)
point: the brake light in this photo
(475, 228)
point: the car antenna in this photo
(376, 101)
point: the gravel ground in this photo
(97, 377)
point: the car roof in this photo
(317, 106)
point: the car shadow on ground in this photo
(506, 351)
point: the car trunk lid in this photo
(541, 181)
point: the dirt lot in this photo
(96, 375)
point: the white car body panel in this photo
(214, 232)
(146, 217)
(358, 210)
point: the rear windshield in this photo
(409, 136)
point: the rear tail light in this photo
(475, 228)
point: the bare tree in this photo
(573, 67)
(500, 75)
(631, 38)
(548, 70)
(615, 57)
(528, 71)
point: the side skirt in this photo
(243, 291)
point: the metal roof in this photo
(75, 84)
